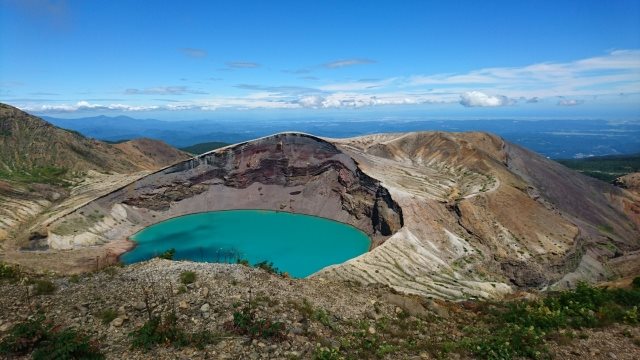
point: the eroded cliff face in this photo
(451, 215)
(483, 217)
(285, 172)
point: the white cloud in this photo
(347, 62)
(194, 53)
(355, 100)
(570, 102)
(163, 90)
(358, 85)
(480, 99)
(242, 64)
(615, 72)
(84, 105)
(595, 78)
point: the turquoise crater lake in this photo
(297, 244)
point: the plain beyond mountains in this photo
(556, 139)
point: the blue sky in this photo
(339, 59)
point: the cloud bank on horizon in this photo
(230, 58)
(616, 74)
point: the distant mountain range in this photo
(553, 138)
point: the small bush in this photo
(325, 353)
(243, 262)
(67, 344)
(245, 323)
(188, 277)
(268, 267)
(25, 336)
(8, 272)
(519, 329)
(43, 287)
(107, 316)
(46, 341)
(636, 282)
(165, 330)
(168, 255)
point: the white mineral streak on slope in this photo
(94, 186)
(418, 258)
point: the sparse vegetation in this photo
(521, 328)
(264, 265)
(325, 353)
(44, 175)
(44, 340)
(168, 255)
(43, 286)
(165, 330)
(8, 272)
(162, 326)
(188, 277)
(245, 322)
(268, 267)
(107, 316)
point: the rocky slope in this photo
(28, 143)
(451, 215)
(319, 319)
(45, 172)
(630, 182)
(482, 216)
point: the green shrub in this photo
(165, 330)
(8, 272)
(188, 277)
(519, 329)
(244, 262)
(245, 323)
(325, 353)
(268, 267)
(25, 336)
(43, 287)
(508, 342)
(67, 344)
(107, 316)
(167, 255)
(322, 316)
(46, 341)
(636, 282)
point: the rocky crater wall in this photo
(286, 172)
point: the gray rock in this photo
(82, 309)
(205, 307)
(117, 322)
(5, 327)
(407, 304)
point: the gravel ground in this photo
(348, 312)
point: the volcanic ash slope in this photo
(451, 215)
(483, 217)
